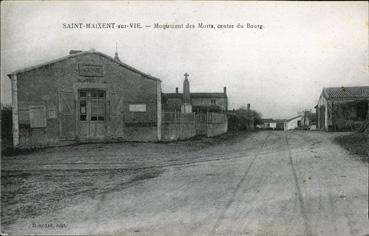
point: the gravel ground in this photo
(263, 183)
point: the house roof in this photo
(80, 54)
(196, 95)
(294, 118)
(267, 120)
(346, 92)
(271, 120)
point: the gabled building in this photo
(85, 95)
(342, 108)
(268, 123)
(293, 123)
(275, 124)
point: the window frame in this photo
(95, 105)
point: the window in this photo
(82, 110)
(213, 101)
(97, 109)
(37, 116)
(101, 94)
(92, 105)
(82, 94)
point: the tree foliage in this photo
(244, 119)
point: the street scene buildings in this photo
(342, 108)
(190, 118)
(89, 95)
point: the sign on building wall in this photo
(52, 113)
(37, 116)
(137, 107)
(90, 70)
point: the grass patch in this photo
(357, 143)
(27, 194)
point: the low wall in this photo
(140, 134)
(39, 137)
(171, 132)
(217, 123)
(180, 126)
(177, 126)
(216, 129)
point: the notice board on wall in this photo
(137, 107)
(37, 116)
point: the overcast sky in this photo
(280, 69)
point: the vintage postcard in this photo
(184, 118)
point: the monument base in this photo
(186, 108)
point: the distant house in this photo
(194, 102)
(342, 108)
(267, 123)
(293, 123)
(280, 124)
(276, 124)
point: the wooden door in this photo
(67, 115)
(116, 114)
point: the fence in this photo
(179, 126)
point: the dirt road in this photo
(263, 183)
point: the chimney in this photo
(177, 90)
(225, 90)
(248, 106)
(74, 52)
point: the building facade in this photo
(342, 108)
(86, 95)
(200, 102)
(293, 123)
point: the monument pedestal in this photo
(186, 108)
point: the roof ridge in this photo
(293, 117)
(91, 51)
(346, 87)
(346, 92)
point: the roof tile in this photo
(346, 92)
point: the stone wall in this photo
(180, 126)
(177, 126)
(217, 124)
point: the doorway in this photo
(92, 113)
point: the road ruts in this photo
(234, 193)
(307, 225)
